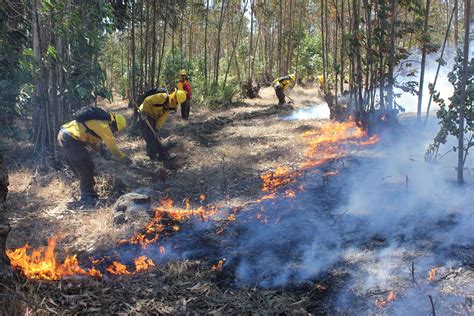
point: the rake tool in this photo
(291, 99)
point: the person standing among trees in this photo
(91, 127)
(184, 85)
(281, 84)
(155, 109)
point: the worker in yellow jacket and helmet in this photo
(156, 109)
(281, 84)
(91, 127)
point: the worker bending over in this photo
(155, 109)
(184, 85)
(91, 127)
(280, 85)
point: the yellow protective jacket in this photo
(283, 82)
(102, 128)
(158, 107)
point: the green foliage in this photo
(84, 29)
(15, 65)
(449, 113)
(173, 63)
(310, 56)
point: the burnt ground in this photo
(221, 154)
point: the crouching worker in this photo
(154, 111)
(91, 127)
(280, 85)
(184, 85)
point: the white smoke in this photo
(410, 101)
(318, 111)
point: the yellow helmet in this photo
(293, 77)
(120, 121)
(182, 72)
(180, 96)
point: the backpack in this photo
(88, 113)
(150, 92)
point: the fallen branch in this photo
(433, 310)
(412, 270)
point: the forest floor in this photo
(219, 153)
(222, 155)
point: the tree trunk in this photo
(290, 38)
(236, 41)
(323, 42)
(162, 53)
(218, 44)
(423, 63)
(343, 47)
(133, 49)
(145, 44)
(205, 47)
(9, 304)
(249, 75)
(5, 268)
(153, 48)
(456, 24)
(280, 39)
(467, 24)
(446, 35)
(392, 55)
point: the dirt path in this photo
(222, 153)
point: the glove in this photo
(127, 161)
(104, 153)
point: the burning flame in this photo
(325, 144)
(118, 268)
(432, 275)
(43, 264)
(142, 263)
(390, 298)
(290, 193)
(219, 265)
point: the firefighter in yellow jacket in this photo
(91, 127)
(156, 109)
(281, 84)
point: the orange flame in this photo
(327, 143)
(290, 193)
(42, 263)
(142, 263)
(118, 268)
(390, 298)
(432, 275)
(219, 265)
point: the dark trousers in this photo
(80, 162)
(280, 95)
(153, 146)
(185, 107)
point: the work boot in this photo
(88, 200)
(73, 204)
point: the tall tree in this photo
(423, 60)
(467, 33)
